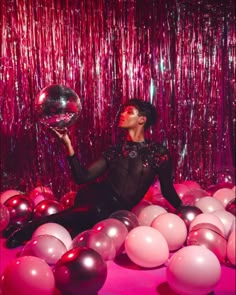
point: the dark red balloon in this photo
(188, 213)
(20, 208)
(80, 270)
(46, 208)
(231, 207)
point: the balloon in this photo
(231, 248)
(20, 208)
(28, 275)
(43, 189)
(57, 106)
(80, 271)
(4, 217)
(146, 247)
(129, 219)
(4, 196)
(173, 228)
(96, 240)
(224, 195)
(192, 185)
(188, 214)
(142, 204)
(209, 204)
(208, 218)
(115, 229)
(231, 207)
(41, 193)
(193, 270)
(227, 219)
(68, 200)
(209, 236)
(55, 230)
(181, 189)
(213, 188)
(46, 208)
(192, 196)
(46, 247)
(149, 213)
(159, 200)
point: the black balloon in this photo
(57, 106)
(80, 270)
(188, 213)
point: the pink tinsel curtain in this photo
(180, 55)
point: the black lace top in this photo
(132, 167)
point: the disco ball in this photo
(57, 106)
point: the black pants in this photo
(93, 203)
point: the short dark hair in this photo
(145, 109)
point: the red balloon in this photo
(231, 207)
(41, 193)
(80, 271)
(68, 199)
(188, 213)
(46, 208)
(20, 208)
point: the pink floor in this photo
(125, 278)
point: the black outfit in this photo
(130, 169)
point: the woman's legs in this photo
(92, 204)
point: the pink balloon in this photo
(28, 275)
(192, 185)
(142, 204)
(193, 270)
(40, 194)
(98, 241)
(46, 247)
(46, 208)
(224, 195)
(55, 230)
(4, 217)
(115, 229)
(208, 218)
(146, 247)
(227, 219)
(231, 248)
(4, 196)
(209, 204)
(192, 196)
(159, 200)
(149, 213)
(173, 228)
(181, 189)
(209, 236)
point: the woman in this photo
(131, 168)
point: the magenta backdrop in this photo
(180, 55)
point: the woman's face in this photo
(129, 118)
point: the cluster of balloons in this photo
(191, 243)
(17, 207)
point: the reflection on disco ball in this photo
(57, 106)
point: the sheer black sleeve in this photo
(83, 175)
(166, 184)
